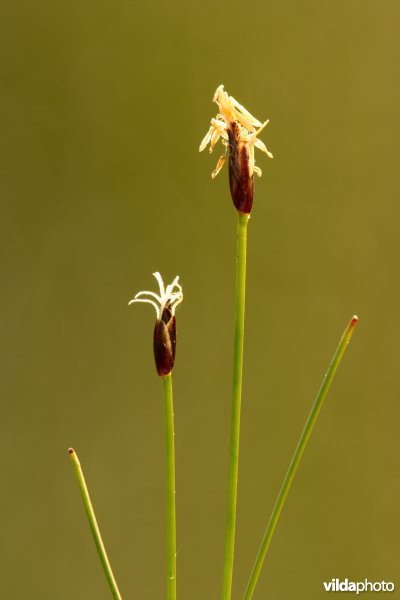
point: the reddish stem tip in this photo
(71, 450)
(353, 321)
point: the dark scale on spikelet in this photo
(238, 131)
(165, 342)
(164, 337)
(241, 180)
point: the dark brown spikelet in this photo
(165, 342)
(241, 182)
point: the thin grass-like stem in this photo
(240, 295)
(94, 526)
(170, 486)
(298, 453)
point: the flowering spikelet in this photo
(164, 338)
(238, 130)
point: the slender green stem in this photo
(170, 486)
(240, 295)
(94, 526)
(298, 453)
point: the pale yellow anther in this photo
(230, 111)
(206, 139)
(219, 166)
(214, 139)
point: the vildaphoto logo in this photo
(344, 585)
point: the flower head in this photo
(238, 130)
(164, 339)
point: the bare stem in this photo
(170, 486)
(240, 296)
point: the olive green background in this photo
(102, 108)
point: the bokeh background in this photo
(102, 108)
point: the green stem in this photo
(170, 486)
(240, 295)
(94, 526)
(298, 453)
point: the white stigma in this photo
(169, 296)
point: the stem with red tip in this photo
(298, 453)
(94, 526)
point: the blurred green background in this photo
(103, 106)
